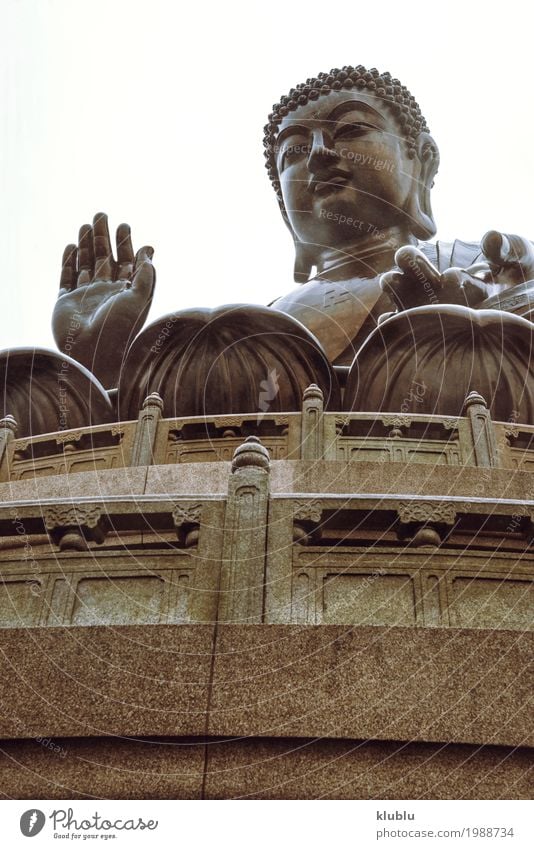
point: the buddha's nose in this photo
(323, 153)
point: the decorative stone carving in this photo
(71, 525)
(308, 511)
(312, 424)
(425, 537)
(146, 430)
(186, 513)
(245, 535)
(8, 430)
(251, 453)
(449, 424)
(307, 516)
(186, 518)
(21, 444)
(396, 421)
(427, 511)
(229, 421)
(65, 438)
(485, 450)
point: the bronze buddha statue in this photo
(353, 163)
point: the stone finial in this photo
(474, 398)
(9, 423)
(484, 444)
(250, 453)
(312, 424)
(313, 391)
(153, 400)
(147, 430)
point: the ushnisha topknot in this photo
(400, 101)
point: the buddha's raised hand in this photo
(103, 302)
(509, 260)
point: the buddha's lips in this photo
(323, 187)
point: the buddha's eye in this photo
(353, 131)
(294, 152)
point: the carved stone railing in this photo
(251, 556)
(69, 451)
(313, 434)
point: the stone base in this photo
(265, 711)
(259, 768)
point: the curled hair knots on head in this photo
(383, 85)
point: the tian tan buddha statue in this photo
(352, 163)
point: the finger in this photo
(85, 250)
(68, 269)
(125, 254)
(495, 247)
(506, 249)
(125, 251)
(393, 283)
(144, 272)
(102, 247)
(414, 264)
(460, 288)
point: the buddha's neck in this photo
(367, 256)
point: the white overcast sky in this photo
(152, 111)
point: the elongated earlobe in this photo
(419, 206)
(303, 263)
(304, 258)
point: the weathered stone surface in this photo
(357, 769)
(266, 768)
(359, 683)
(113, 482)
(105, 680)
(270, 681)
(188, 479)
(102, 768)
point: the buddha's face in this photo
(344, 169)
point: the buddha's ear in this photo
(419, 207)
(304, 260)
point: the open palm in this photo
(103, 302)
